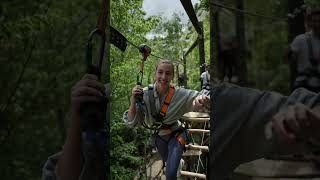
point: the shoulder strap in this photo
(167, 101)
(152, 100)
(310, 51)
(159, 116)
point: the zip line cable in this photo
(249, 13)
(131, 43)
(228, 13)
(156, 56)
(3, 108)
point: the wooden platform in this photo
(192, 174)
(197, 147)
(198, 131)
(196, 119)
(192, 152)
(278, 169)
(196, 115)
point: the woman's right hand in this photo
(88, 89)
(136, 91)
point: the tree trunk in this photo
(217, 42)
(241, 40)
(295, 27)
(296, 24)
(213, 22)
(185, 71)
(201, 49)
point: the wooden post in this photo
(296, 24)
(241, 41)
(212, 62)
(295, 27)
(107, 69)
(201, 49)
(177, 73)
(217, 43)
(185, 71)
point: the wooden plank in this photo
(201, 50)
(191, 152)
(187, 5)
(196, 147)
(153, 168)
(195, 43)
(185, 71)
(198, 130)
(197, 114)
(280, 169)
(196, 119)
(214, 28)
(192, 174)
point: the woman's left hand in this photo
(201, 102)
(296, 124)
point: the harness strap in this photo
(208, 77)
(310, 51)
(159, 116)
(181, 139)
(152, 100)
(314, 70)
(178, 134)
(167, 101)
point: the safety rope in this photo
(248, 13)
(202, 143)
(193, 141)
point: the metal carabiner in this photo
(95, 68)
(145, 52)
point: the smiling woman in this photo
(164, 75)
(162, 107)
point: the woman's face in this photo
(163, 75)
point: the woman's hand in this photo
(136, 91)
(296, 124)
(201, 102)
(88, 89)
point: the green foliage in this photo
(312, 3)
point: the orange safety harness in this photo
(159, 116)
(167, 101)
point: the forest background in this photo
(42, 48)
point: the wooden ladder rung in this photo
(196, 147)
(192, 174)
(198, 130)
(195, 119)
(197, 114)
(191, 152)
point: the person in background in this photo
(305, 53)
(205, 78)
